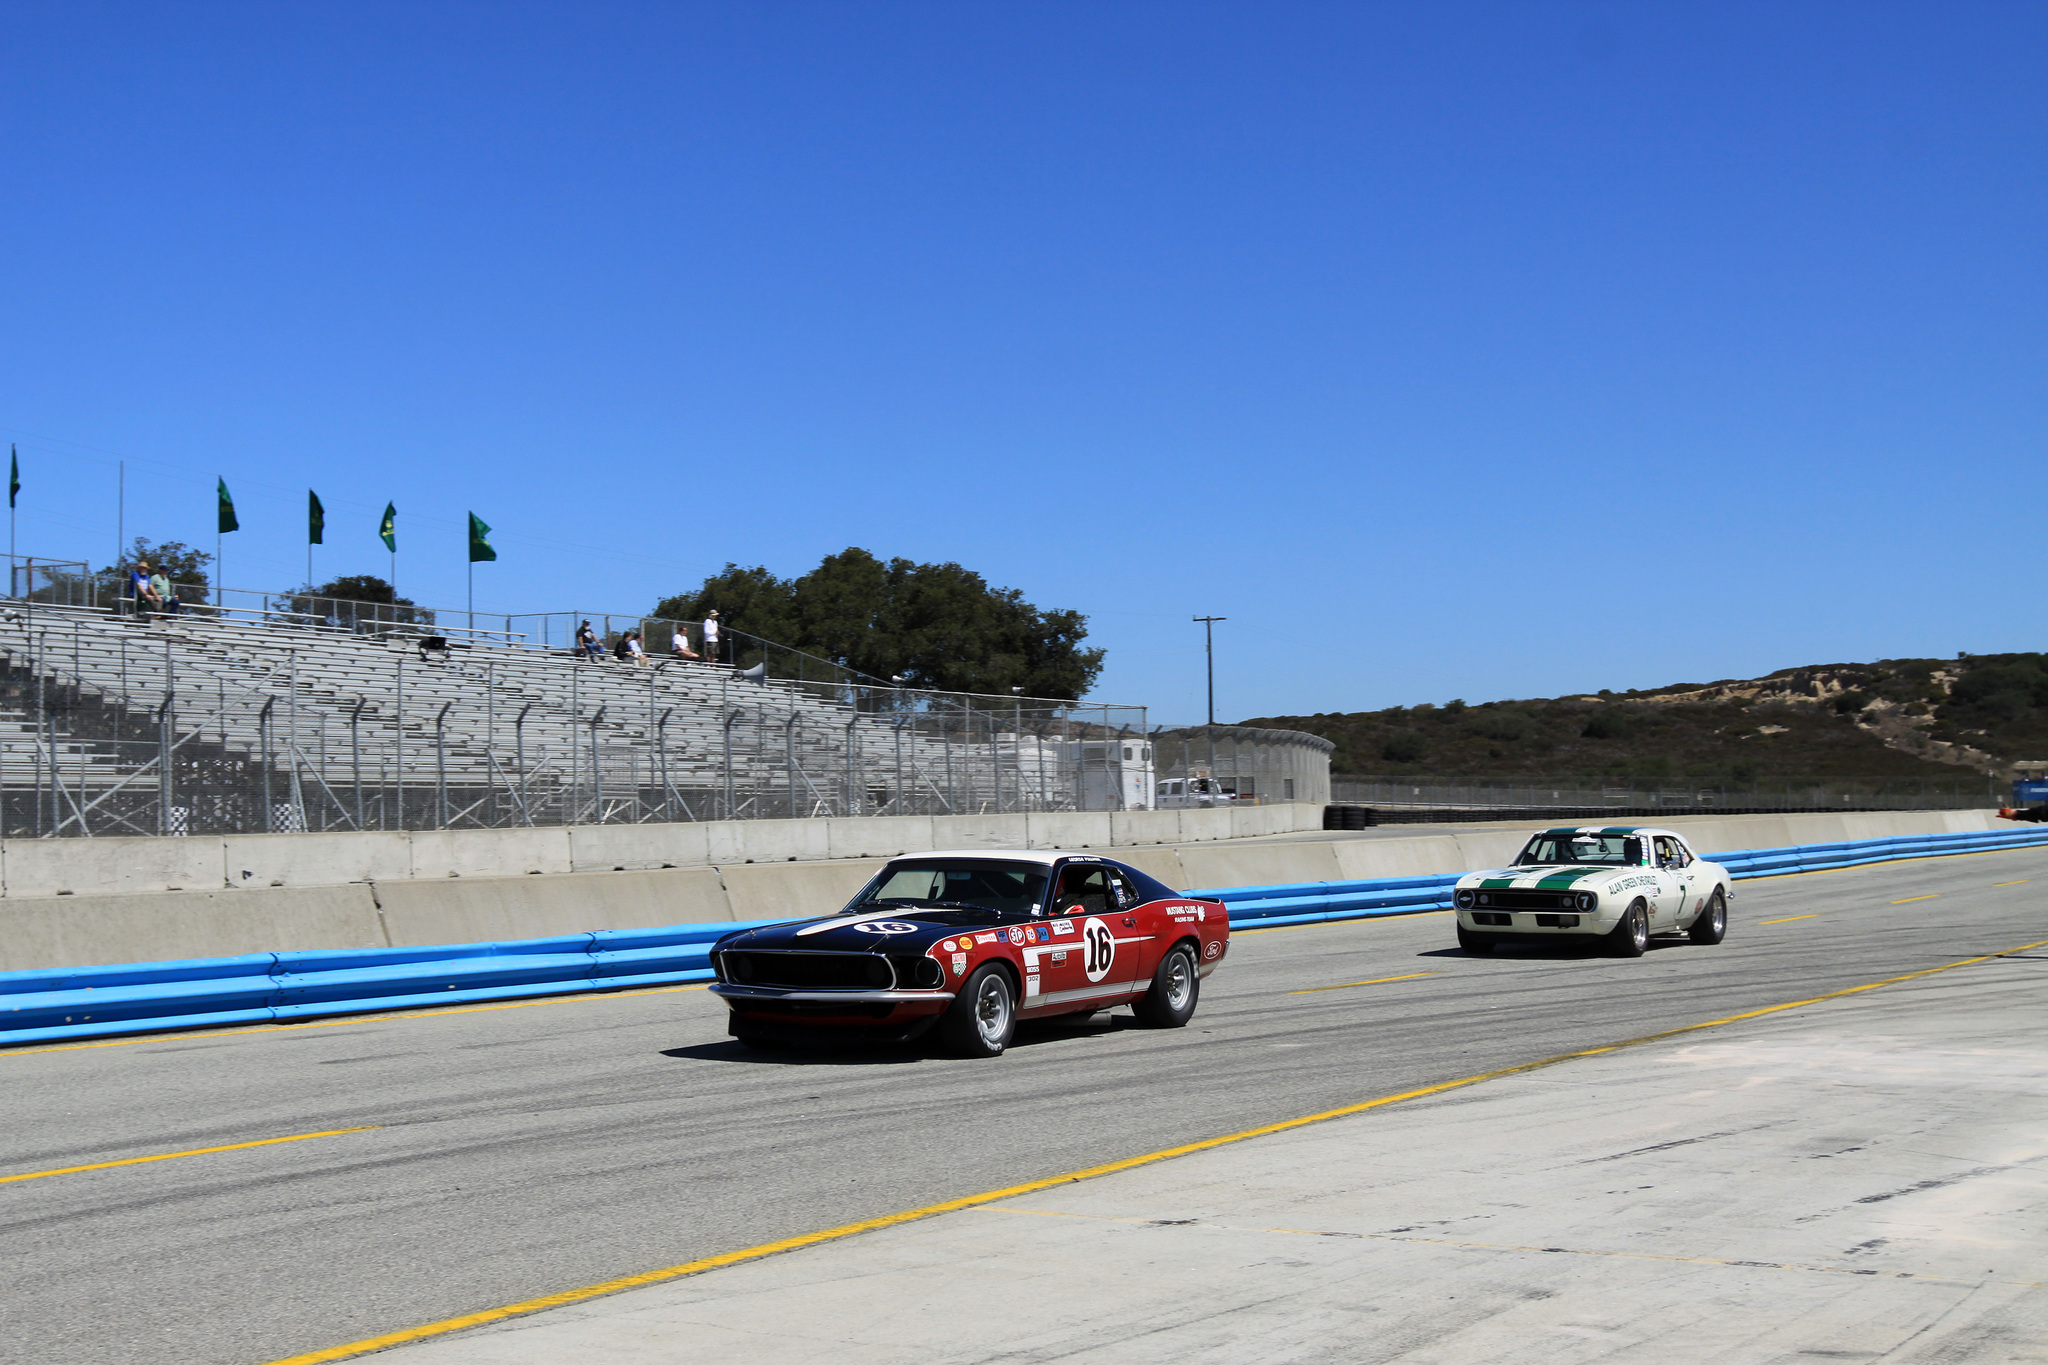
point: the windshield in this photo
(956, 888)
(1607, 850)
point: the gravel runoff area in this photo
(1855, 1179)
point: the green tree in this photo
(933, 625)
(174, 559)
(360, 602)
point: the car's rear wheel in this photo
(1631, 937)
(1476, 944)
(1176, 986)
(983, 1015)
(1711, 924)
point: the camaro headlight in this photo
(1588, 900)
(1464, 900)
(1486, 900)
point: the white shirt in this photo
(710, 630)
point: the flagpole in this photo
(120, 515)
(472, 600)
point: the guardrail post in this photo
(441, 763)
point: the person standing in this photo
(712, 633)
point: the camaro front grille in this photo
(1528, 900)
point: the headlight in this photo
(1464, 899)
(1588, 900)
(733, 967)
(1486, 900)
(877, 974)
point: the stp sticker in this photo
(885, 926)
(1016, 936)
(1098, 949)
(1065, 926)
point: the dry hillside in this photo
(1894, 718)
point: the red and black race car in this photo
(971, 943)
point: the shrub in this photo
(1403, 746)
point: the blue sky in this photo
(1448, 350)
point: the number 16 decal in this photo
(1101, 948)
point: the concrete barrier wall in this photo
(237, 862)
(621, 881)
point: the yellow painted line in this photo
(2021, 882)
(970, 1201)
(428, 1013)
(1376, 981)
(1932, 895)
(196, 1151)
(1788, 919)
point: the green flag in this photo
(316, 519)
(227, 510)
(388, 528)
(479, 548)
(13, 475)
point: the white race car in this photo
(1616, 883)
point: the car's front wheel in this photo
(1631, 937)
(983, 1015)
(1176, 986)
(1476, 944)
(1711, 924)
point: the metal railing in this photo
(257, 716)
(1966, 791)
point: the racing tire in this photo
(1631, 937)
(983, 1016)
(1176, 988)
(1710, 926)
(1474, 943)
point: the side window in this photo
(1084, 890)
(1125, 894)
(1670, 853)
(1632, 852)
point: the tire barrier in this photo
(90, 1002)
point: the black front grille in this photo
(808, 971)
(1527, 900)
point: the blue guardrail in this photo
(86, 1002)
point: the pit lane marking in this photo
(196, 1151)
(2021, 882)
(974, 1201)
(1787, 920)
(1376, 981)
(1511, 1246)
(1932, 895)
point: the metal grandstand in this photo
(249, 712)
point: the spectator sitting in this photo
(679, 645)
(628, 650)
(139, 591)
(587, 645)
(160, 589)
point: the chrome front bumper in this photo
(731, 992)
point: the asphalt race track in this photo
(517, 1151)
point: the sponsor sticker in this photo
(1016, 936)
(1042, 933)
(959, 963)
(1065, 926)
(1212, 950)
(1059, 959)
(885, 926)
(1201, 912)
(985, 938)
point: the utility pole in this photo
(1208, 624)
